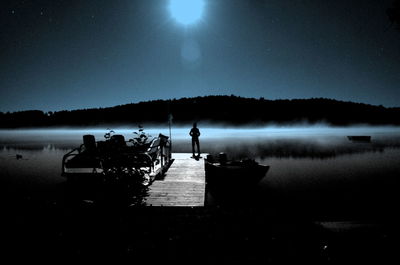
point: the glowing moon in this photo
(186, 11)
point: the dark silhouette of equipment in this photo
(116, 158)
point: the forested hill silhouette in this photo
(229, 110)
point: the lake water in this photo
(314, 170)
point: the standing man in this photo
(195, 133)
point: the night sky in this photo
(72, 54)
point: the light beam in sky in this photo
(186, 11)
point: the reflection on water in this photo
(312, 169)
(361, 184)
(37, 165)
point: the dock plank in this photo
(182, 185)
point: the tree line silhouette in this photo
(229, 110)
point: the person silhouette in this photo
(195, 133)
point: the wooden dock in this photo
(183, 184)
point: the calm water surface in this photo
(313, 169)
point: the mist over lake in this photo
(310, 166)
(323, 135)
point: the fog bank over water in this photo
(209, 132)
(273, 141)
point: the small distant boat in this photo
(226, 176)
(360, 138)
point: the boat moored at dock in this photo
(225, 176)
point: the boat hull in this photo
(233, 178)
(360, 139)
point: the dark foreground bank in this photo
(61, 225)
